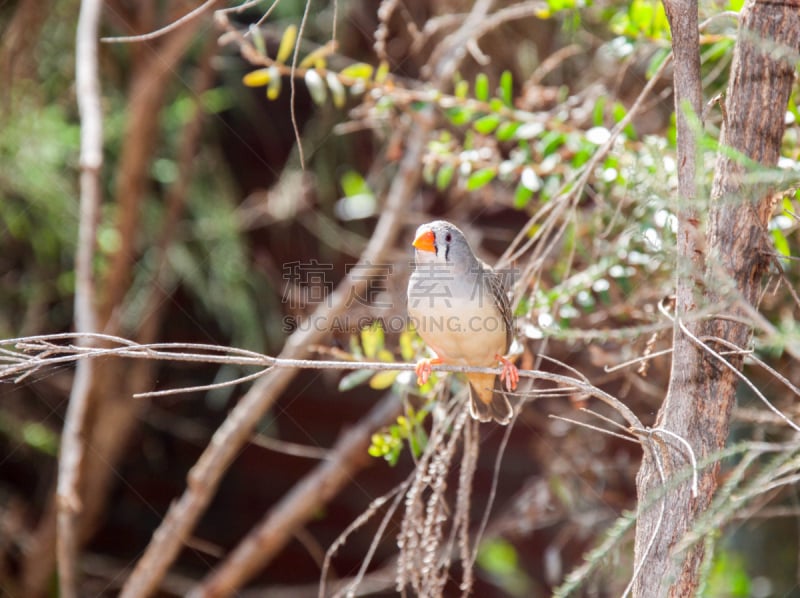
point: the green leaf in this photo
(403, 425)
(458, 115)
(656, 61)
(315, 59)
(316, 87)
(258, 39)
(417, 440)
(217, 100)
(462, 89)
(382, 73)
(781, 243)
(393, 456)
(599, 112)
(506, 88)
(486, 124)
(506, 131)
(641, 13)
(498, 556)
(559, 5)
(406, 343)
(287, 44)
(522, 196)
(496, 104)
(716, 50)
(257, 78)
(372, 339)
(354, 184)
(551, 141)
(383, 380)
(353, 379)
(728, 576)
(482, 87)
(618, 111)
(480, 178)
(444, 176)
(360, 70)
(40, 438)
(355, 348)
(338, 93)
(429, 173)
(274, 87)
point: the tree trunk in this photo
(725, 272)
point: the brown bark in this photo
(17, 56)
(112, 415)
(310, 495)
(702, 389)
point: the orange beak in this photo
(425, 242)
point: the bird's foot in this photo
(423, 369)
(510, 373)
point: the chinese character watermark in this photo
(308, 283)
(375, 277)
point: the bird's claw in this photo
(510, 373)
(424, 368)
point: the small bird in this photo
(459, 307)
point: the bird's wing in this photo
(497, 286)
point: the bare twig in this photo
(72, 448)
(591, 427)
(293, 86)
(759, 362)
(236, 430)
(347, 457)
(630, 362)
(739, 375)
(356, 582)
(192, 14)
(191, 352)
(654, 534)
(397, 492)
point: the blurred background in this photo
(212, 231)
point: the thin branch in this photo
(290, 448)
(600, 416)
(397, 492)
(267, 538)
(68, 502)
(492, 491)
(193, 14)
(550, 63)
(293, 86)
(762, 364)
(367, 558)
(207, 473)
(243, 357)
(640, 562)
(624, 364)
(572, 188)
(689, 452)
(591, 427)
(739, 375)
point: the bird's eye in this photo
(448, 237)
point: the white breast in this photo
(467, 331)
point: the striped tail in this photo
(486, 403)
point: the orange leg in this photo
(510, 373)
(423, 369)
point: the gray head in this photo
(442, 242)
